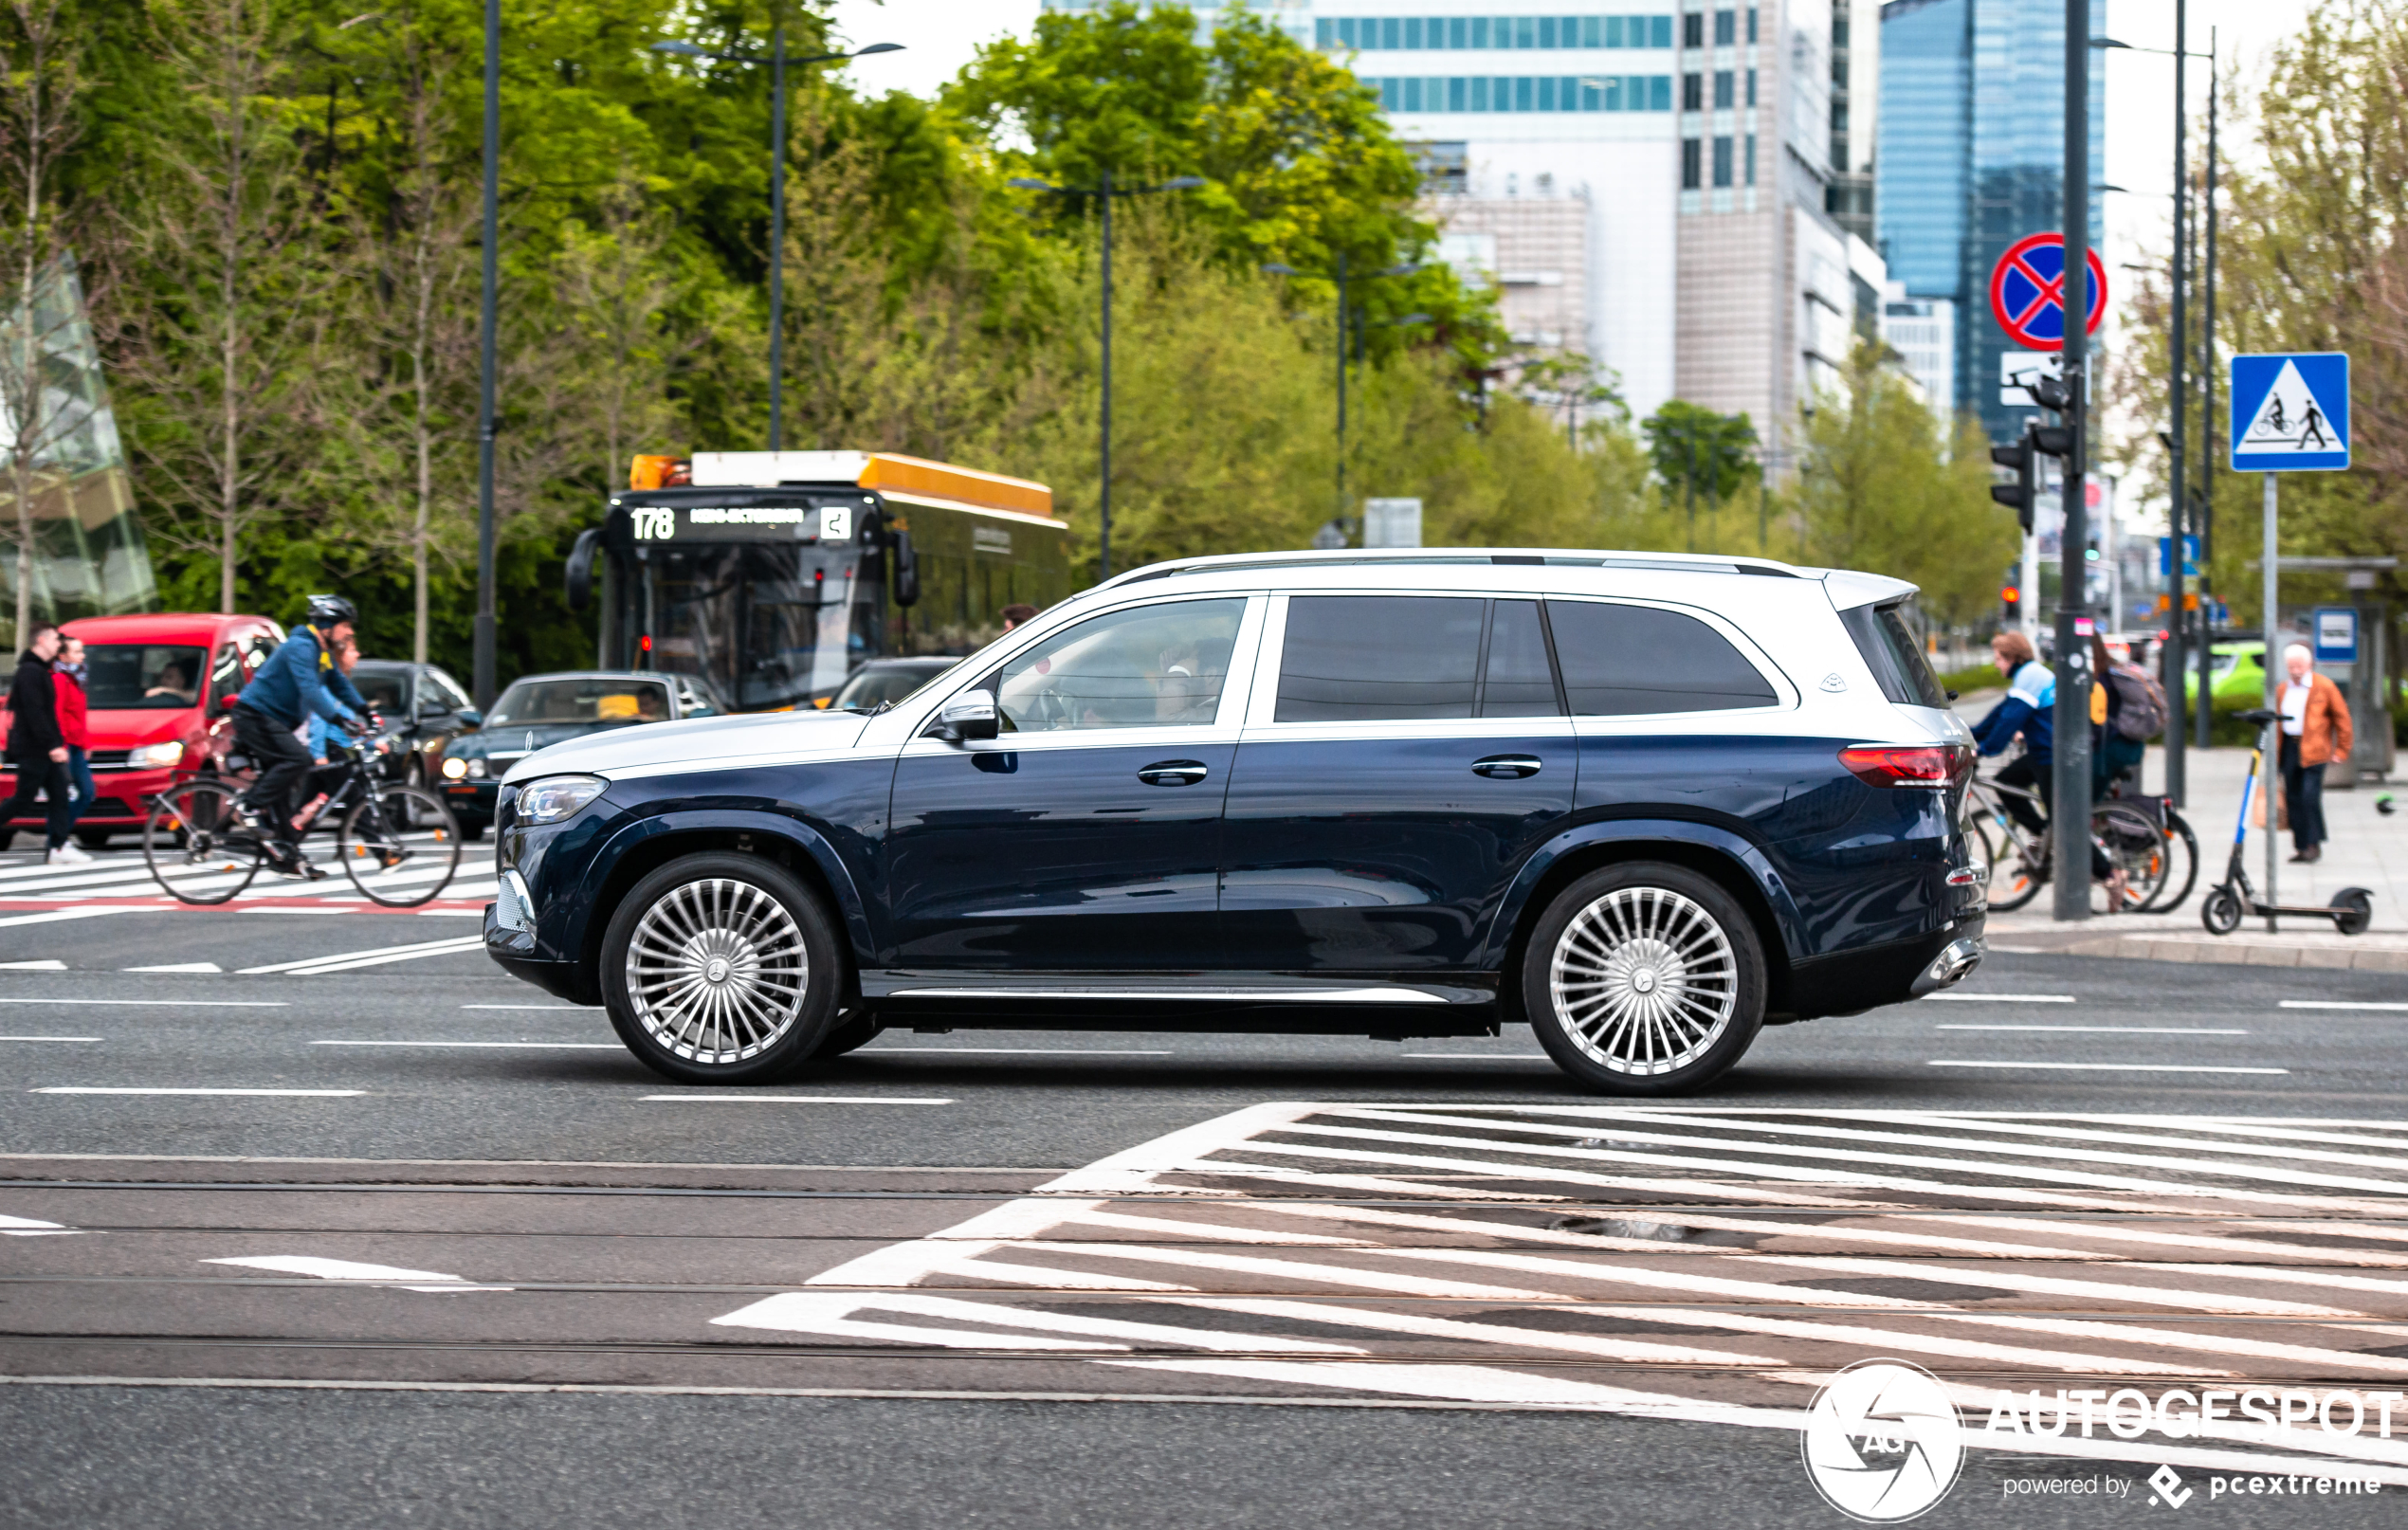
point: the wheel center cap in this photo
(715, 969)
(1643, 980)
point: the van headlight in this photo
(555, 797)
(155, 756)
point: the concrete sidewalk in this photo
(2366, 850)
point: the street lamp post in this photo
(1104, 191)
(1337, 275)
(776, 59)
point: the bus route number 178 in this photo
(654, 525)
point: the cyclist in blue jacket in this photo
(300, 679)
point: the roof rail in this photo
(1554, 558)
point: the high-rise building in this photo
(1856, 96)
(1971, 158)
(1924, 333)
(1651, 189)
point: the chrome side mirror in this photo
(967, 717)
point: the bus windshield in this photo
(770, 625)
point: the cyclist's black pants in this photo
(2021, 772)
(281, 761)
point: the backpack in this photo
(2143, 714)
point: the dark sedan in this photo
(541, 710)
(424, 708)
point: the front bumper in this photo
(470, 799)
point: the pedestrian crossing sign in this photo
(2290, 413)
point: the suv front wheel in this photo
(1644, 979)
(721, 968)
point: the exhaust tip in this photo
(1953, 966)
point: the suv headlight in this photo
(555, 797)
(155, 756)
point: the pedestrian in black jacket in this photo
(38, 748)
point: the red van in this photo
(157, 685)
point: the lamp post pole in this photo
(485, 637)
(2207, 420)
(777, 61)
(2070, 810)
(2176, 766)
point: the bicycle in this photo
(397, 842)
(2017, 862)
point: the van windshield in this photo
(142, 676)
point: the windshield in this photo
(768, 625)
(137, 676)
(385, 691)
(587, 700)
(873, 686)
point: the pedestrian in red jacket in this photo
(66, 678)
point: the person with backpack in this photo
(2135, 713)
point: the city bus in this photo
(777, 574)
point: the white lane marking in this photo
(2218, 1345)
(49, 1038)
(305, 908)
(2094, 1292)
(1375, 1279)
(306, 1094)
(805, 1311)
(344, 960)
(89, 911)
(552, 1008)
(26, 1227)
(169, 1004)
(448, 913)
(2109, 1030)
(180, 967)
(788, 1100)
(48, 964)
(1999, 1146)
(1010, 1052)
(346, 1269)
(2108, 1067)
(1999, 998)
(2337, 1004)
(2002, 1127)
(547, 1046)
(2109, 1234)
(1414, 1323)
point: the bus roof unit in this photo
(891, 473)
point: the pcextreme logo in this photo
(1882, 1441)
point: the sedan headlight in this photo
(454, 769)
(555, 797)
(477, 766)
(155, 756)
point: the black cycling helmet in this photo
(326, 611)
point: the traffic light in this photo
(2024, 457)
(2012, 598)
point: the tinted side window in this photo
(1380, 658)
(1890, 651)
(1624, 660)
(1520, 682)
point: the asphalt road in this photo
(1066, 1278)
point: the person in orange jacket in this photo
(2316, 732)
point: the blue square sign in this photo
(2290, 413)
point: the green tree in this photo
(1883, 487)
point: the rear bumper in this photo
(1853, 981)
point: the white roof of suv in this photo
(1846, 588)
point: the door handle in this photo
(1174, 772)
(1507, 767)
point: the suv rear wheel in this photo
(1644, 979)
(721, 968)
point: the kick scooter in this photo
(2233, 899)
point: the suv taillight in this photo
(1930, 765)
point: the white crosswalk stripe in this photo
(1704, 1262)
(117, 876)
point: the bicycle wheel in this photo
(2183, 847)
(2015, 877)
(399, 845)
(2135, 845)
(197, 845)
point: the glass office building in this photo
(1971, 159)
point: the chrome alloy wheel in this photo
(716, 971)
(1645, 980)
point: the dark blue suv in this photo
(1646, 803)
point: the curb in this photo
(2382, 953)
